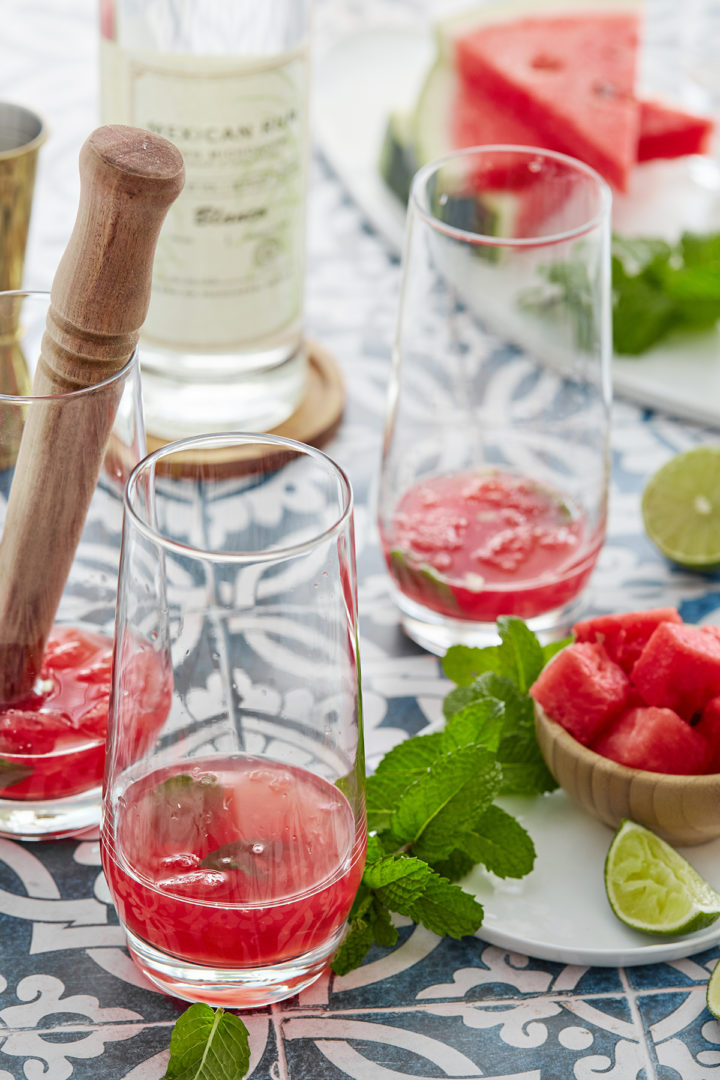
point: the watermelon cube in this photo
(709, 727)
(582, 689)
(624, 636)
(654, 739)
(679, 668)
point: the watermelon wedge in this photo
(571, 77)
(666, 132)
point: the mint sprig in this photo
(208, 1044)
(430, 802)
(657, 287)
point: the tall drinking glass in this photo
(494, 476)
(52, 730)
(234, 830)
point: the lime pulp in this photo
(681, 508)
(652, 888)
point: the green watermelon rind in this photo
(430, 142)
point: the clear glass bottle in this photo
(227, 82)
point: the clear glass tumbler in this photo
(495, 465)
(52, 730)
(234, 832)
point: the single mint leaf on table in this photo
(208, 1044)
(455, 787)
(12, 773)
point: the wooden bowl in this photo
(683, 810)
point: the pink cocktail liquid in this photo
(52, 742)
(235, 862)
(476, 545)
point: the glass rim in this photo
(217, 440)
(419, 203)
(68, 395)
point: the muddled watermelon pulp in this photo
(233, 861)
(52, 743)
(479, 544)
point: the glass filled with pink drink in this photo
(54, 692)
(494, 477)
(234, 843)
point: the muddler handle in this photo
(98, 302)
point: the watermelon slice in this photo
(624, 636)
(666, 132)
(679, 668)
(582, 690)
(655, 739)
(572, 77)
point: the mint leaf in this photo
(523, 767)
(480, 722)
(499, 842)
(521, 652)
(354, 946)
(12, 773)
(462, 664)
(394, 774)
(457, 865)
(456, 786)
(411, 887)
(252, 857)
(208, 1044)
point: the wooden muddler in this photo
(98, 302)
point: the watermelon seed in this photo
(547, 63)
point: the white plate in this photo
(363, 78)
(559, 911)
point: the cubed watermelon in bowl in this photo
(655, 761)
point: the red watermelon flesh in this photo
(679, 668)
(582, 690)
(709, 727)
(655, 739)
(624, 636)
(666, 132)
(570, 77)
(477, 119)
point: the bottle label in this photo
(229, 267)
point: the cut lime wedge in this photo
(681, 508)
(713, 991)
(652, 888)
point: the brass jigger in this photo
(98, 302)
(22, 133)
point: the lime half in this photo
(681, 508)
(652, 888)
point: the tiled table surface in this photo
(71, 1002)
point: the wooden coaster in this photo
(314, 422)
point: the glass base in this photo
(437, 633)
(232, 987)
(226, 395)
(50, 819)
